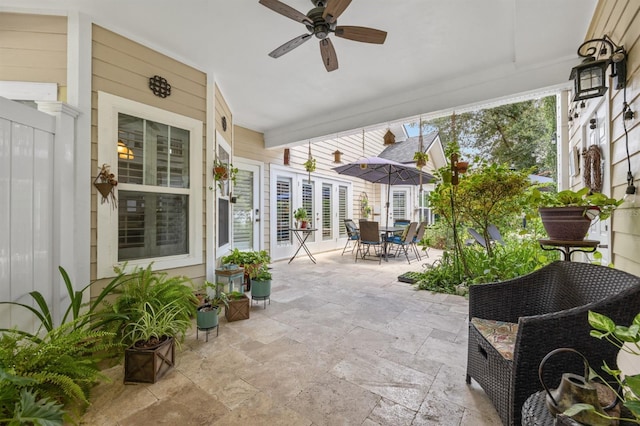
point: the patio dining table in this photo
(387, 232)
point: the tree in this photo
(521, 135)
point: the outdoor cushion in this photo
(500, 334)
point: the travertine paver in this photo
(341, 343)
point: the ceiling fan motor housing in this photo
(321, 28)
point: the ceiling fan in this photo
(320, 22)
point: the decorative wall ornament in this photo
(105, 183)
(159, 86)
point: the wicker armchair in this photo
(550, 307)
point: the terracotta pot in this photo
(565, 223)
(221, 171)
(462, 166)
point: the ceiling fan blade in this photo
(334, 9)
(290, 45)
(285, 10)
(363, 34)
(328, 53)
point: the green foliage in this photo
(261, 274)
(300, 213)
(145, 288)
(62, 365)
(214, 294)
(235, 295)
(581, 198)
(90, 312)
(154, 323)
(519, 134)
(19, 406)
(626, 339)
(520, 256)
(241, 258)
(310, 164)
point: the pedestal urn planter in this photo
(261, 290)
(565, 223)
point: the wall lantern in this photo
(337, 159)
(589, 77)
(124, 152)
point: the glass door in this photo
(246, 207)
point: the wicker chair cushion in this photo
(501, 335)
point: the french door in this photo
(327, 202)
(246, 206)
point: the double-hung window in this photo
(159, 173)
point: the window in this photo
(159, 188)
(327, 231)
(283, 211)
(342, 209)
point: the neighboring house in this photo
(411, 202)
(171, 212)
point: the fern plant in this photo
(63, 364)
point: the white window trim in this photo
(107, 219)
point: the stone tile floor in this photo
(341, 343)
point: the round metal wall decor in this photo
(159, 86)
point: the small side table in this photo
(568, 247)
(301, 235)
(230, 275)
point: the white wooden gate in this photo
(33, 167)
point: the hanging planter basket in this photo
(220, 173)
(105, 183)
(104, 188)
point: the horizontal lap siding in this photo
(621, 21)
(34, 48)
(123, 67)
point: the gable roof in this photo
(403, 152)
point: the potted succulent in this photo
(300, 216)
(567, 215)
(261, 285)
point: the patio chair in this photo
(419, 236)
(495, 235)
(400, 223)
(405, 242)
(353, 235)
(515, 323)
(369, 238)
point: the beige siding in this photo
(34, 48)
(223, 110)
(621, 21)
(122, 67)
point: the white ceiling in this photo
(439, 55)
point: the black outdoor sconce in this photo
(589, 77)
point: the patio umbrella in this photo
(388, 172)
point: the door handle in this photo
(257, 215)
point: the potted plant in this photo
(301, 217)
(627, 387)
(223, 172)
(208, 312)
(152, 354)
(106, 183)
(567, 215)
(421, 159)
(237, 306)
(248, 260)
(154, 312)
(261, 285)
(310, 165)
